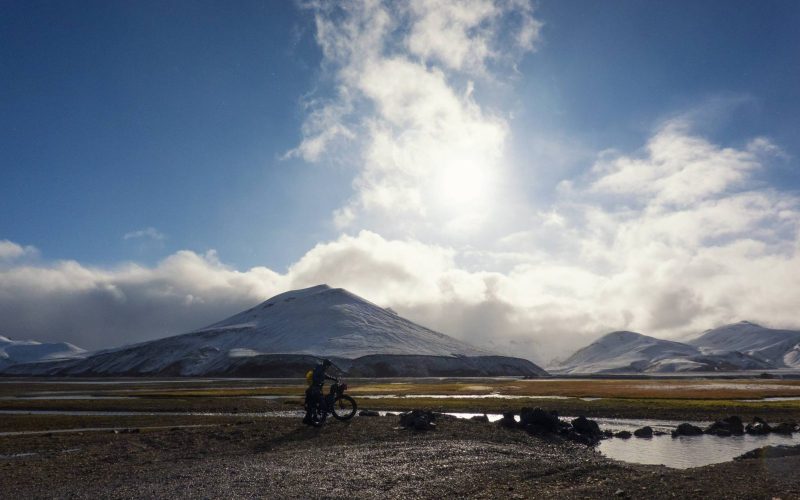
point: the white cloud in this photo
(11, 251)
(404, 106)
(99, 307)
(149, 233)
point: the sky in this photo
(526, 176)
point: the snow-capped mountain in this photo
(30, 351)
(624, 352)
(630, 352)
(284, 335)
(779, 348)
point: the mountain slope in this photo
(30, 351)
(288, 330)
(780, 348)
(630, 352)
(624, 352)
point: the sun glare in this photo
(463, 183)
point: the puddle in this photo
(714, 386)
(686, 451)
(456, 396)
(775, 398)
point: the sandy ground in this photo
(363, 458)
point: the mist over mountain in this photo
(286, 334)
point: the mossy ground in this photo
(675, 399)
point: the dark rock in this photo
(623, 435)
(419, 420)
(368, 413)
(538, 421)
(784, 428)
(480, 418)
(687, 429)
(731, 426)
(508, 420)
(771, 452)
(644, 432)
(758, 427)
(583, 425)
(735, 424)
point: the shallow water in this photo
(684, 452)
(456, 396)
(772, 398)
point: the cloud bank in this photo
(669, 239)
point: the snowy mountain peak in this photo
(290, 330)
(623, 351)
(326, 321)
(32, 351)
(773, 346)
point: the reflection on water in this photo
(686, 451)
(455, 396)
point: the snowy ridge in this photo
(31, 351)
(627, 352)
(780, 348)
(289, 329)
(630, 352)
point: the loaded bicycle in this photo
(335, 403)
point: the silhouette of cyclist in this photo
(314, 391)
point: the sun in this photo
(463, 183)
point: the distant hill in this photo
(286, 334)
(631, 352)
(779, 348)
(27, 351)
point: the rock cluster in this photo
(419, 420)
(687, 429)
(733, 426)
(541, 422)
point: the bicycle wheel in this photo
(344, 408)
(318, 417)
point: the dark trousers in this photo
(313, 398)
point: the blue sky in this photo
(494, 138)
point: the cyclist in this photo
(314, 391)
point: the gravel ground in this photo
(364, 458)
